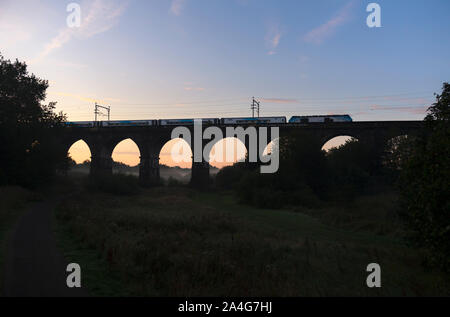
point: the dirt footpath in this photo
(34, 267)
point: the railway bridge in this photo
(151, 139)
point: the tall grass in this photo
(164, 242)
(377, 214)
(116, 184)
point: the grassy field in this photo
(178, 242)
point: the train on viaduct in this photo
(151, 135)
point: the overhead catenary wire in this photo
(293, 100)
(289, 106)
(285, 109)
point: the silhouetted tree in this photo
(228, 176)
(302, 175)
(350, 169)
(425, 183)
(29, 151)
(302, 161)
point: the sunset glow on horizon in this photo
(157, 60)
(147, 61)
(127, 152)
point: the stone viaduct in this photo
(150, 140)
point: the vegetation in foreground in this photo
(337, 212)
(425, 183)
(177, 242)
(417, 166)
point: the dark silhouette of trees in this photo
(29, 152)
(419, 165)
(351, 166)
(308, 174)
(425, 183)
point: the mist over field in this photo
(179, 174)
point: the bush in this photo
(246, 186)
(228, 176)
(425, 185)
(304, 196)
(173, 182)
(117, 184)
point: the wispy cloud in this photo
(10, 33)
(84, 98)
(194, 88)
(176, 7)
(273, 37)
(319, 34)
(279, 100)
(98, 16)
(191, 86)
(359, 113)
(66, 64)
(409, 109)
(303, 59)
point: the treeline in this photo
(29, 151)
(87, 163)
(417, 168)
(308, 175)
(425, 183)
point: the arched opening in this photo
(126, 158)
(271, 146)
(79, 158)
(337, 142)
(175, 159)
(226, 152)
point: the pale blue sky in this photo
(207, 58)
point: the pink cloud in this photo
(177, 7)
(319, 34)
(279, 100)
(273, 38)
(409, 109)
(194, 88)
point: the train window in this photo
(304, 120)
(329, 120)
